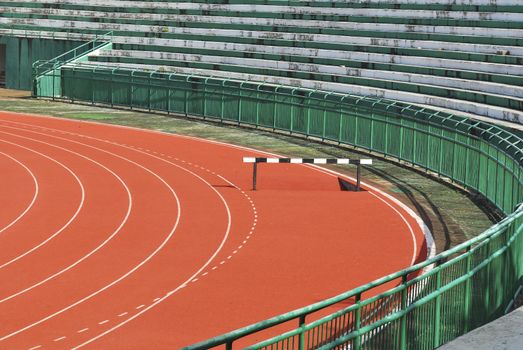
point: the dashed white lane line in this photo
(123, 314)
(195, 279)
(139, 307)
(103, 322)
(35, 347)
(60, 339)
(82, 330)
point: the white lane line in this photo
(113, 234)
(78, 209)
(103, 322)
(168, 294)
(140, 306)
(156, 299)
(59, 339)
(35, 194)
(143, 262)
(183, 285)
(123, 314)
(35, 347)
(83, 330)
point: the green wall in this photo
(22, 52)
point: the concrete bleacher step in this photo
(427, 80)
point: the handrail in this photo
(41, 67)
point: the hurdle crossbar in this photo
(339, 161)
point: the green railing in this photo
(46, 73)
(420, 307)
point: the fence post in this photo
(403, 325)
(468, 290)
(357, 322)
(437, 315)
(301, 342)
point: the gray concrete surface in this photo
(506, 333)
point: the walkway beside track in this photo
(504, 333)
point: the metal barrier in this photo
(468, 285)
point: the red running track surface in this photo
(119, 238)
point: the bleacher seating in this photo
(444, 53)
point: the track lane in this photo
(224, 283)
(188, 186)
(16, 201)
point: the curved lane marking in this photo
(122, 223)
(423, 226)
(80, 206)
(33, 200)
(153, 253)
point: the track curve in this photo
(170, 246)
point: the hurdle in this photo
(339, 161)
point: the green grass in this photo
(452, 215)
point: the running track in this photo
(118, 238)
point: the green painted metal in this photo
(420, 307)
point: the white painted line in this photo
(222, 262)
(343, 161)
(215, 267)
(365, 161)
(83, 330)
(35, 347)
(320, 160)
(296, 160)
(78, 209)
(103, 322)
(273, 160)
(139, 307)
(249, 159)
(143, 262)
(204, 274)
(194, 280)
(156, 299)
(123, 314)
(35, 195)
(58, 339)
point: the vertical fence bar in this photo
(301, 341)
(404, 300)
(357, 322)
(468, 292)
(437, 316)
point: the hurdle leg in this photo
(254, 174)
(358, 177)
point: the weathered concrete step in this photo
(331, 54)
(349, 40)
(109, 12)
(457, 105)
(427, 80)
(377, 27)
(250, 7)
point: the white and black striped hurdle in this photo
(340, 161)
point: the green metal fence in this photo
(420, 307)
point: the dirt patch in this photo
(8, 93)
